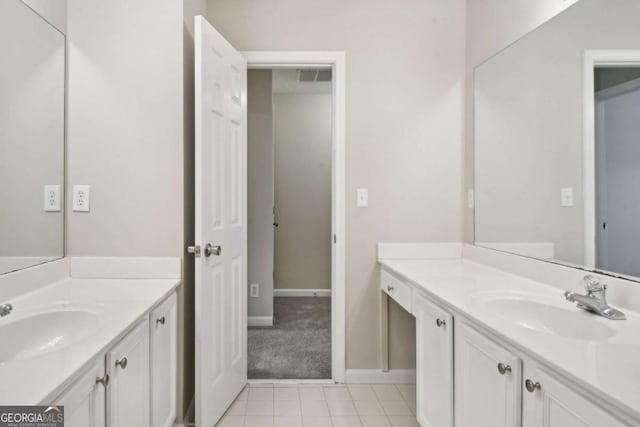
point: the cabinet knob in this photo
(104, 380)
(440, 323)
(531, 386)
(390, 288)
(503, 369)
(122, 363)
(160, 320)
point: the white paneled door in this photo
(220, 217)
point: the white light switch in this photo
(566, 196)
(81, 198)
(362, 198)
(52, 198)
(471, 198)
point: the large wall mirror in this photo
(557, 141)
(32, 137)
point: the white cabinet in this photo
(434, 364)
(128, 370)
(487, 382)
(549, 403)
(84, 400)
(164, 347)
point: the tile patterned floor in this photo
(323, 405)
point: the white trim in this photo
(302, 292)
(336, 60)
(125, 268)
(284, 383)
(592, 58)
(444, 250)
(376, 376)
(619, 89)
(260, 321)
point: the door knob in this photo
(195, 250)
(531, 386)
(122, 363)
(212, 250)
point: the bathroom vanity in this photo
(496, 349)
(98, 336)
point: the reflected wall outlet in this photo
(81, 198)
(254, 290)
(52, 198)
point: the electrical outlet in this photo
(81, 198)
(566, 197)
(52, 198)
(254, 290)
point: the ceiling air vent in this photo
(310, 76)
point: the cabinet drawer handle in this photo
(122, 363)
(390, 288)
(503, 369)
(440, 323)
(531, 386)
(104, 380)
(160, 320)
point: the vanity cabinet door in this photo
(487, 382)
(549, 403)
(164, 342)
(128, 369)
(434, 364)
(84, 400)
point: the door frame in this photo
(336, 60)
(593, 58)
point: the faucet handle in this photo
(593, 284)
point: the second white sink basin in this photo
(33, 334)
(544, 315)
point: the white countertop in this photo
(119, 303)
(608, 366)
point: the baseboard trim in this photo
(377, 376)
(260, 321)
(302, 292)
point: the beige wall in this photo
(130, 118)
(302, 137)
(493, 25)
(260, 190)
(405, 76)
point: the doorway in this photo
(612, 104)
(289, 148)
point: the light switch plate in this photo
(362, 197)
(566, 197)
(52, 198)
(81, 198)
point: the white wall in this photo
(260, 190)
(493, 25)
(405, 82)
(54, 11)
(32, 89)
(302, 139)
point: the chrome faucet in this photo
(595, 300)
(5, 309)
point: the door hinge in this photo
(335, 240)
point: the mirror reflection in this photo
(557, 141)
(32, 135)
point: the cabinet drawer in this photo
(396, 289)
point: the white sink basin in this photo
(34, 334)
(544, 315)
